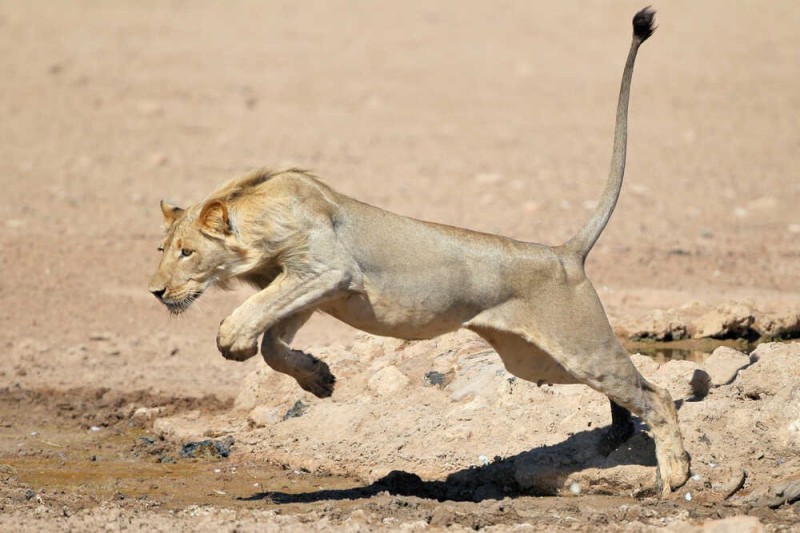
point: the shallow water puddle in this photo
(45, 453)
(696, 350)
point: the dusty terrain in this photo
(494, 116)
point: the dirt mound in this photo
(486, 434)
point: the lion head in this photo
(199, 250)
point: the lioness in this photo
(308, 248)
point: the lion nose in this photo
(158, 293)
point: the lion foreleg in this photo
(288, 295)
(311, 374)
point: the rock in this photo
(433, 378)
(296, 411)
(147, 414)
(662, 326)
(207, 448)
(724, 364)
(782, 415)
(732, 320)
(728, 481)
(683, 379)
(646, 365)
(774, 496)
(388, 381)
(776, 366)
(261, 416)
(771, 327)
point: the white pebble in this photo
(483, 460)
(575, 488)
(688, 497)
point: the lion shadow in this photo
(537, 472)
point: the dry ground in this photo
(496, 116)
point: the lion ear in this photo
(214, 219)
(170, 212)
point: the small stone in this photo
(434, 379)
(724, 364)
(388, 381)
(683, 379)
(262, 416)
(208, 448)
(297, 410)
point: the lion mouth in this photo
(176, 307)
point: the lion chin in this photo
(176, 307)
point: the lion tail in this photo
(583, 241)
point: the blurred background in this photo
(497, 116)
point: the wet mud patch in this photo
(83, 447)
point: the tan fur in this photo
(308, 248)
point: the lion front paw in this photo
(233, 344)
(320, 382)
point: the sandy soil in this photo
(497, 117)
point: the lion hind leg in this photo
(572, 330)
(312, 374)
(622, 428)
(587, 347)
(527, 361)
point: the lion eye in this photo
(186, 253)
(161, 249)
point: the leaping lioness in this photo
(309, 248)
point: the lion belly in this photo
(390, 318)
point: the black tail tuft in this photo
(643, 23)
